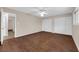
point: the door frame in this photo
(1, 26)
(12, 14)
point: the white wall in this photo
(75, 32)
(25, 23)
(58, 24)
(63, 25)
(47, 25)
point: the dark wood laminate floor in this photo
(40, 42)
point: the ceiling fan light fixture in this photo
(43, 13)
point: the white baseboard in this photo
(59, 33)
(26, 34)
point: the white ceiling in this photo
(51, 11)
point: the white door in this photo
(0, 25)
(2, 29)
(4, 23)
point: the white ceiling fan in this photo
(43, 12)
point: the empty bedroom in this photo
(39, 29)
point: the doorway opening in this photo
(9, 30)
